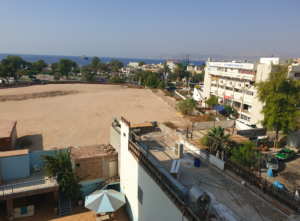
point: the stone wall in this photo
(93, 167)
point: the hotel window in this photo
(245, 118)
(297, 75)
(238, 90)
(249, 93)
(237, 104)
(229, 88)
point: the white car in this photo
(273, 163)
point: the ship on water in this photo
(84, 57)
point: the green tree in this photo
(54, 66)
(59, 164)
(115, 68)
(153, 80)
(179, 71)
(65, 66)
(139, 73)
(95, 64)
(186, 106)
(231, 111)
(88, 75)
(141, 63)
(218, 134)
(75, 71)
(102, 67)
(166, 70)
(16, 61)
(117, 63)
(202, 66)
(246, 155)
(211, 102)
(280, 96)
(7, 70)
(39, 65)
(116, 80)
(198, 78)
(57, 76)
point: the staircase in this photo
(64, 205)
(107, 181)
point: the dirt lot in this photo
(82, 118)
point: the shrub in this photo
(206, 141)
(116, 79)
(186, 106)
(169, 94)
(169, 124)
(161, 85)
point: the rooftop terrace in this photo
(230, 199)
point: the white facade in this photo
(134, 64)
(232, 83)
(155, 205)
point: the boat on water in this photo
(84, 57)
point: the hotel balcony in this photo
(249, 77)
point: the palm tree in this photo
(165, 69)
(218, 133)
(179, 70)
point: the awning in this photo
(220, 108)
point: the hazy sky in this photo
(138, 28)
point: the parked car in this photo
(273, 163)
(36, 80)
(285, 154)
(2, 81)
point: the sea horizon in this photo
(78, 59)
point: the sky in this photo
(137, 28)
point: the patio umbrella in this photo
(103, 201)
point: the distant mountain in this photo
(204, 57)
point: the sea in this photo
(78, 59)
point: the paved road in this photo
(288, 174)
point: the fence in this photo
(64, 82)
(283, 196)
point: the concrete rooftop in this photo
(219, 186)
(6, 128)
(92, 150)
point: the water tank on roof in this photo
(198, 195)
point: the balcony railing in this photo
(28, 186)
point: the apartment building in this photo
(232, 83)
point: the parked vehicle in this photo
(2, 81)
(285, 154)
(36, 80)
(273, 163)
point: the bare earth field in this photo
(80, 118)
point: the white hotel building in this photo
(232, 83)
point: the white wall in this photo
(205, 125)
(155, 205)
(217, 162)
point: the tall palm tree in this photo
(165, 69)
(218, 133)
(179, 70)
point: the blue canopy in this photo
(220, 108)
(276, 184)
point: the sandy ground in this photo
(81, 119)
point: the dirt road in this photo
(80, 119)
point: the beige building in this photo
(232, 83)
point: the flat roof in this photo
(92, 150)
(13, 153)
(6, 128)
(146, 124)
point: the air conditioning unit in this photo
(230, 82)
(179, 149)
(221, 81)
(240, 84)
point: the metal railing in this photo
(28, 186)
(157, 176)
(107, 181)
(266, 186)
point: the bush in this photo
(161, 85)
(191, 85)
(89, 76)
(169, 124)
(116, 80)
(206, 141)
(186, 106)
